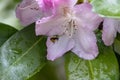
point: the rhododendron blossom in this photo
(28, 11)
(70, 28)
(110, 28)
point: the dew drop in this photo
(16, 51)
(75, 60)
(13, 57)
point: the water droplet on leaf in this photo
(16, 50)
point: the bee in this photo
(54, 38)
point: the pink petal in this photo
(61, 5)
(58, 47)
(30, 10)
(47, 6)
(85, 46)
(67, 3)
(90, 20)
(50, 26)
(109, 30)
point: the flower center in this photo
(70, 27)
(69, 24)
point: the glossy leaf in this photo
(80, 1)
(107, 8)
(5, 32)
(117, 46)
(51, 71)
(7, 13)
(22, 55)
(104, 67)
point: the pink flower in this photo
(70, 28)
(110, 28)
(29, 11)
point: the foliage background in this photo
(7, 13)
(55, 70)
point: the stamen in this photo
(66, 11)
(70, 27)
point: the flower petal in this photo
(85, 44)
(61, 5)
(57, 47)
(109, 30)
(90, 19)
(67, 3)
(47, 6)
(50, 26)
(30, 10)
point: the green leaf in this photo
(81, 1)
(7, 13)
(22, 55)
(107, 8)
(104, 67)
(5, 32)
(116, 46)
(51, 71)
